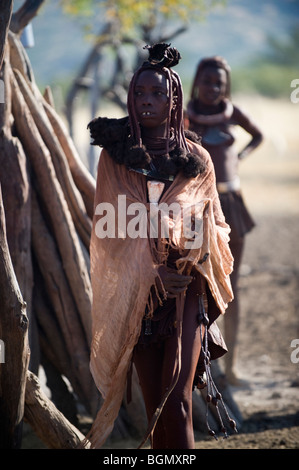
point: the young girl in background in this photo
(213, 116)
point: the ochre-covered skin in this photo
(212, 115)
(132, 276)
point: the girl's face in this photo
(151, 100)
(212, 84)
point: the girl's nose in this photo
(147, 100)
(215, 87)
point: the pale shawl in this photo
(124, 270)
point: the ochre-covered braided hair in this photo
(122, 137)
(161, 58)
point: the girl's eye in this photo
(160, 93)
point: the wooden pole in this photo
(55, 205)
(5, 17)
(85, 182)
(14, 337)
(72, 195)
(47, 421)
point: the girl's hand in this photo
(173, 282)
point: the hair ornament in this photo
(163, 55)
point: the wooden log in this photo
(14, 337)
(54, 358)
(73, 197)
(84, 181)
(18, 57)
(52, 197)
(16, 193)
(48, 96)
(25, 14)
(68, 318)
(49, 424)
(15, 182)
(6, 7)
(52, 343)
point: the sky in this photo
(238, 32)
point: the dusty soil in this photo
(269, 288)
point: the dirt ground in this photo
(269, 288)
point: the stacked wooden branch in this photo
(48, 224)
(49, 424)
(14, 334)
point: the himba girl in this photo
(214, 117)
(154, 300)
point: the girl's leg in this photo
(232, 317)
(154, 365)
(149, 366)
(177, 412)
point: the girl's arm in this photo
(249, 126)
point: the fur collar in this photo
(114, 136)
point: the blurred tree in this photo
(131, 16)
(284, 52)
(126, 26)
(271, 73)
(24, 15)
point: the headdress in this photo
(162, 58)
(122, 137)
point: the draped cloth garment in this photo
(123, 271)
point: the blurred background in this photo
(259, 38)
(86, 51)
